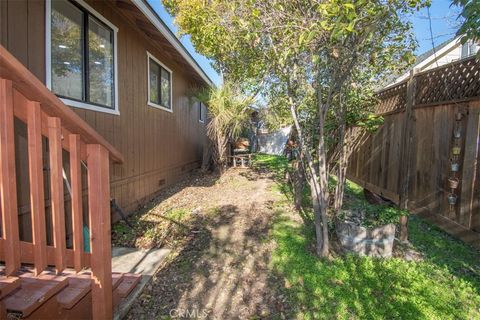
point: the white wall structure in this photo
(447, 52)
(274, 143)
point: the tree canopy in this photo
(470, 28)
(317, 61)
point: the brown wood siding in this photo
(158, 146)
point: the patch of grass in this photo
(276, 164)
(444, 285)
(352, 287)
(354, 190)
(122, 233)
(177, 214)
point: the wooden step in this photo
(8, 285)
(78, 287)
(27, 295)
(3, 311)
(128, 283)
(33, 292)
(116, 279)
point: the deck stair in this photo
(43, 279)
(68, 295)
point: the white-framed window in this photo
(202, 112)
(81, 53)
(469, 48)
(159, 84)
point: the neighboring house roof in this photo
(430, 54)
(155, 19)
(427, 58)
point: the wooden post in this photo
(405, 162)
(8, 183)
(100, 231)
(476, 200)
(56, 186)
(77, 212)
(37, 194)
(470, 164)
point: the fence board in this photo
(470, 166)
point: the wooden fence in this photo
(429, 141)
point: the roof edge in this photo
(435, 54)
(155, 19)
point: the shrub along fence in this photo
(425, 156)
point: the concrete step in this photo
(138, 261)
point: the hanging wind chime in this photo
(454, 181)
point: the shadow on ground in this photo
(222, 270)
(251, 258)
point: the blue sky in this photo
(201, 60)
(444, 26)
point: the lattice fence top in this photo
(456, 81)
(452, 82)
(392, 99)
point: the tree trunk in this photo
(317, 213)
(323, 179)
(207, 154)
(341, 170)
(404, 228)
(220, 153)
(318, 191)
(298, 183)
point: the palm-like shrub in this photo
(228, 115)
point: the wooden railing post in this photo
(37, 195)
(406, 152)
(8, 183)
(100, 230)
(77, 212)
(56, 185)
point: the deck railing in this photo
(24, 97)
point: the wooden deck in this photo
(24, 99)
(56, 296)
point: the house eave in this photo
(155, 19)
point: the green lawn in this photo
(444, 285)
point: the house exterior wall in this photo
(451, 55)
(158, 146)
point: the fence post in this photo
(468, 200)
(407, 145)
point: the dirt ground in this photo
(221, 269)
